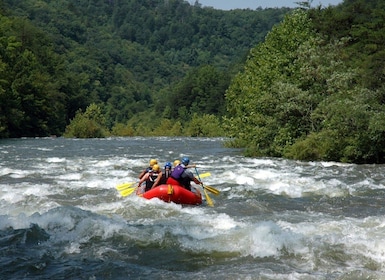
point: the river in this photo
(62, 217)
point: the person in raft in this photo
(181, 176)
(166, 173)
(152, 178)
(177, 162)
(148, 169)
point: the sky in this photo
(254, 4)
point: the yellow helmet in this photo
(155, 168)
(153, 161)
(176, 162)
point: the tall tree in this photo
(251, 103)
(34, 105)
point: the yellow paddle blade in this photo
(208, 199)
(127, 192)
(204, 175)
(124, 186)
(211, 189)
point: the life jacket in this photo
(166, 174)
(177, 175)
(151, 180)
(177, 172)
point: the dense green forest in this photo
(305, 83)
(314, 89)
(157, 62)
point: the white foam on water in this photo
(360, 241)
(55, 160)
(10, 194)
(216, 232)
(221, 233)
(69, 177)
(331, 163)
(5, 171)
(44, 149)
(19, 174)
(267, 239)
(285, 179)
(312, 241)
(26, 198)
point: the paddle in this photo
(204, 175)
(126, 189)
(124, 186)
(208, 199)
(212, 190)
(127, 192)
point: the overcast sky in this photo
(254, 4)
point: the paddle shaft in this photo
(208, 199)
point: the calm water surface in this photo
(62, 218)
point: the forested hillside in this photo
(305, 84)
(314, 89)
(131, 62)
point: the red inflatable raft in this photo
(174, 193)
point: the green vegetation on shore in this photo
(304, 83)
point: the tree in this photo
(33, 104)
(251, 103)
(202, 91)
(299, 97)
(90, 124)
(119, 54)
